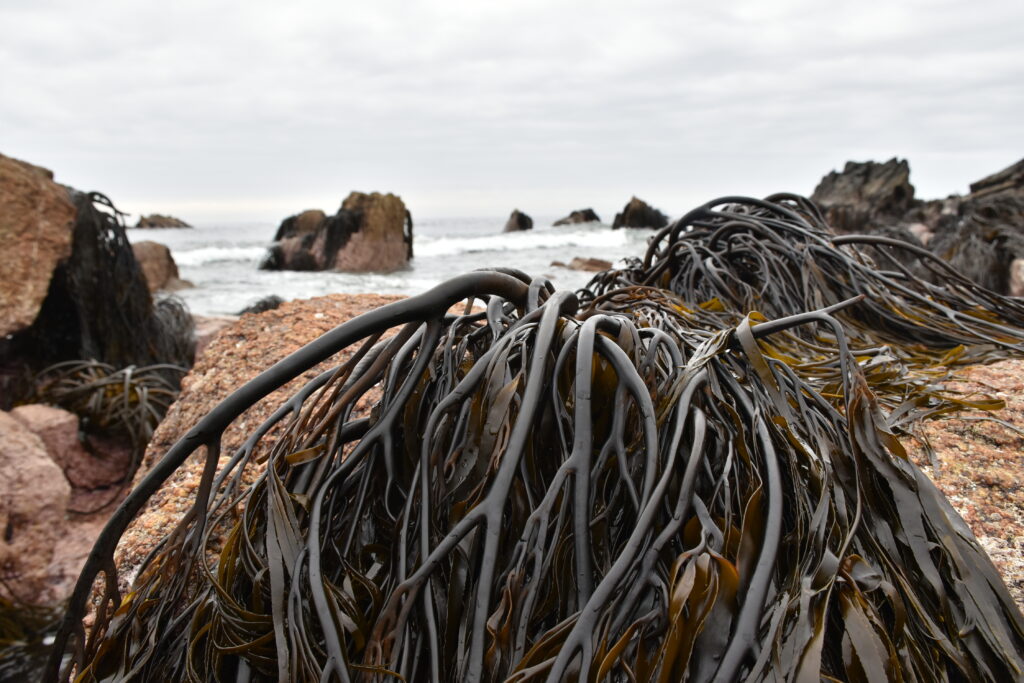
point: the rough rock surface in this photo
(158, 267)
(579, 216)
(36, 219)
(865, 194)
(34, 497)
(638, 214)
(980, 466)
(157, 220)
(237, 354)
(518, 221)
(1010, 179)
(370, 233)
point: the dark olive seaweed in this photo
(688, 470)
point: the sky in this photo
(256, 110)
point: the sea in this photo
(222, 259)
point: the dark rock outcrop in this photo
(518, 221)
(579, 216)
(267, 303)
(865, 194)
(156, 220)
(158, 267)
(638, 214)
(370, 232)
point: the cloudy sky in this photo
(254, 110)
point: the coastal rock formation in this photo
(865, 194)
(638, 214)
(518, 221)
(157, 220)
(158, 267)
(35, 496)
(579, 216)
(70, 286)
(36, 219)
(370, 232)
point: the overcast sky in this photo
(255, 110)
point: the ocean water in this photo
(222, 259)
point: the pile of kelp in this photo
(687, 471)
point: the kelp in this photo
(24, 634)
(127, 402)
(688, 470)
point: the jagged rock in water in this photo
(370, 232)
(518, 221)
(579, 216)
(158, 267)
(638, 214)
(36, 219)
(865, 195)
(267, 303)
(157, 220)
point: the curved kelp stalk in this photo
(646, 480)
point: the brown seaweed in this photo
(688, 470)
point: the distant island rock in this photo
(156, 220)
(369, 233)
(579, 216)
(518, 221)
(638, 214)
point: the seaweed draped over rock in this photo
(688, 469)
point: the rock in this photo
(637, 214)
(36, 219)
(157, 220)
(370, 232)
(1017, 277)
(158, 267)
(304, 223)
(518, 221)
(71, 287)
(59, 431)
(865, 195)
(207, 327)
(35, 496)
(589, 264)
(267, 303)
(579, 216)
(1010, 179)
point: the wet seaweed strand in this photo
(689, 469)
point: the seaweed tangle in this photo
(688, 470)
